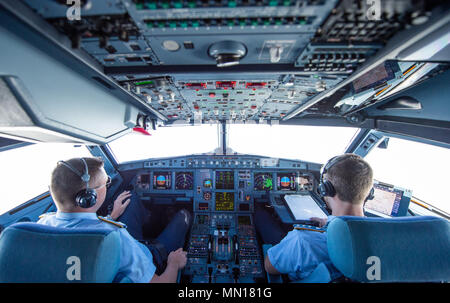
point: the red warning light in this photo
(255, 85)
(225, 84)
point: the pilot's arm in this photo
(269, 267)
(284, 257)
(175, 261)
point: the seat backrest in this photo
(406, 249)
(32, 252)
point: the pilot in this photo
(349, 181)
(78, 188)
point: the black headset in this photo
(87, 197)
(326, 188)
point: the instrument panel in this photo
(222, 190)
(212, 185)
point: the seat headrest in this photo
(32, 252)
(406, 249)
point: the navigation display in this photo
(286, 181)
(386, 200)
(184, 180)
(224, 180)
(162, 180)
(224, 201)
(263, 181)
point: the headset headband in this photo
(84, 177)
(325, 168)
(87, 197)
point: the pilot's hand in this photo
(177, 258)
(120, 204)
(321, 221)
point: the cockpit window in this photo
(417, 166)
(308, 143)
(25, 171)
(166, 142)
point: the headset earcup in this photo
(86, 198)
(326, 189)
(371, 195)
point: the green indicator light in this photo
(172, 24)
(195, 23)
(150, 25)
(151, 5)
(302, 21)
(230, 22)
(178, 4)
(191, 4)
(242, 22)
(273, 3)
(161, 24)
(183, 24)
(231, 3)
(278, 22)
(266, 22)
(143, 83)
(165, 5)
(255, 22)
(287, 3)
(139, 6)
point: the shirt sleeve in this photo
(285, 255)
(136, 261)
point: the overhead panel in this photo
(236, 60)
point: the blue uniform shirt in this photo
(300, 252)
(136, 261)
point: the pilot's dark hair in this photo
(352, 178)
(65, 184)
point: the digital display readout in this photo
(224, 201)
(286, 181)
(225, 179)
(162, 180)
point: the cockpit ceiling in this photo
(250, 61)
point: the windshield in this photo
(416, 166)
(26, 170)
(166, 142)
(308, 143)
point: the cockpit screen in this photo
(286, 181)
(184, 180)
(224, 201)
(143, 181)
(386, 200)
(224, 180)
(162, 180)
(263, 181)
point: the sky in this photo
(411, 165)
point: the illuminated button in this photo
(212, 94)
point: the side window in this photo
(419, 167)
(25, 171)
